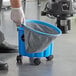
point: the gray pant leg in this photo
(1, 34)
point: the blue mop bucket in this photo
(22, 44)
(39, 35)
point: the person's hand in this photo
(17, 15)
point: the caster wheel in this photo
(64, 29)
(37, 61)
(19, 59)
(69, 24)
(49, 58)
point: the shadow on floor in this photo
(32, 70)
(8, 51)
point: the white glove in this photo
(17, 15)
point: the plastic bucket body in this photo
(22, 47)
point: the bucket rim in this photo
(43, 23)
